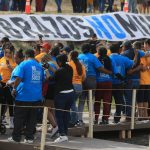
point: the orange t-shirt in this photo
(90, 2)
(39, 56)
(4, 70)
(77, 79)
(145, 75)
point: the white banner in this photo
(117, 26)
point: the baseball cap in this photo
(47, 46)
(126, 44)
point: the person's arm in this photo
(102, 69)
(136, 69)
(16, 83)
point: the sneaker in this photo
(10, 139)
(54, 131)
(39, 129)
(61, 139)
(28, 141)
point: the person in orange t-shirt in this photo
(143, 96)
(79, 75)
(45, 49)
(7, 65)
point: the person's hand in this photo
(13, 92)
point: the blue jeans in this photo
(78, 92)
(4, 5)
(131, 84)
(58, 2)
(63, 101)
(89, 83)
(132, 6)
(101, 4)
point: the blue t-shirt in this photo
(13, 74)
(119, 65)
(130, 54)
(52, 81)
(0, 77)
(90, 62)
(32, 75)
(1, 53)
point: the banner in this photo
(117, 26)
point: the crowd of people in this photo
(81, 6)
(59, 77)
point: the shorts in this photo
(143, 94)
(50, 92)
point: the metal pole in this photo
(90, 115)
(133, 108)
(44, 128)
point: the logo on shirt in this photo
(36, 75)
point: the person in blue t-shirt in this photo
(27, 90)
(119, 66)
(132, 80)
(104, 81)
(92, 65)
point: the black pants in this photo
(117, 93)
(24, 116)
(84, 6)
(44, 5)
(6, 98)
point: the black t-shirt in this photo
(63, 79)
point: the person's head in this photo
(29, 53)
(73, 55)
(114, 48)
(9, 51)
(55, 51)
(60, 45)
(61, 60)
(102, 51)
(46, 47)
(37, 49)
(85, 48)
(19, 56)
(137, 45)
(4, 40)
(126, 45)
(94, 37)
(147, 44)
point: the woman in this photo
(79, 74)
(51, 67)
(64, 96)
(7, 64)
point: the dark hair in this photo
(74, 57)
(102, 51)
(62, 59)
(114, 48)
(85, 48)
(29, 53)
(137, 45)
(55, 51)
(9, 46)
(5, 39)
(19, 54)
(147, 41)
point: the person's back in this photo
(31, 74)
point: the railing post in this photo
(90, 115)
(44, 128)
(133, 108)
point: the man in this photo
(27, 91)
(119, 66)
(132, 6)
(132, 81)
